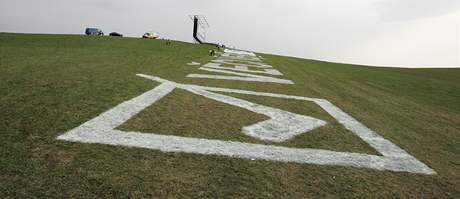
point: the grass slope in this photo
(52, 83)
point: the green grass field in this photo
(50, 84)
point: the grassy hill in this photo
(50, 84)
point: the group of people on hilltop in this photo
(219, 48)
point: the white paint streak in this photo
(247, 63)
(118, 115)
(380, 144)
(101, 130)
(193, 63)
(238, 58)
(239, 52)
(282, 126)
(241, 77)
(243, 68)
(232, 57)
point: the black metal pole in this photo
(195, 29)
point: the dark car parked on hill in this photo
(94, 31)
(116, 34)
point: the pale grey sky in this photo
(372, 32)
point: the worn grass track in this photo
(52, 83)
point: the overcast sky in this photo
(372, 32)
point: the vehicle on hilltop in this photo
(150, 35)
(116, 34)
(94, 31)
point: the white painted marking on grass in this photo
(240, 77)
(101, 130)
(239, 52)
(254, 64)
(243, 68)
(282, 126)
(238, 57)
(193, 63)
(240, 71)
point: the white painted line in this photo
(101, 130)
(232, 57)
(238, 58)
(240, 77)
(168, 143)
(282, 126)
(121, 113)
(239, 52)
(376, 141)
(193, 63)
(243, 68)
(237, 78)
(247, 63)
